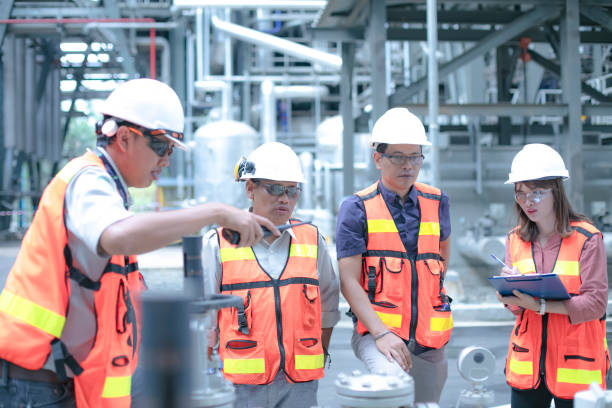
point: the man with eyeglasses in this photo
(392, 241)
(70, 310)
(274, 347)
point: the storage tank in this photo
(219, 146)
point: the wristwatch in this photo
(542, 310)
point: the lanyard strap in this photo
(111, 171)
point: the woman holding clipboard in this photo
(557, 348)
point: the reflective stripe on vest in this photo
(32, 313)
(251, 347)
(576, 354)
(117, 387)
(387, 270)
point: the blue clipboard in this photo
(547, 286)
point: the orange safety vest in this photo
(35, 305)
(568, 357)
(406, 293)
(279, 327)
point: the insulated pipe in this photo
(274, 4)
(124, 21)
(433, 92)
(279, 44)
(163, 44)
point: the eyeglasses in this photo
(535, 196)
(400, 159)
(278, 190)
(155, 142)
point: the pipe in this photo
(275, 4)
(279, 44)
(433, 92)
(300, 91)
(164, 45)
(200, 44)
(268, 118)
(125, 21)
(218, 86)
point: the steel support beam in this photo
(376, 36)
(348, 122)
(493, 40)
(112, 9)
(5, 13)
(433, 93)
(507, 57)
(555, 69)
(598, 15)
(571, 148)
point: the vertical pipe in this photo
(406, 59)
(10, 105)
(433, 97)
(306, 159)
(19, 94)
(207, 43)
(200, 44)
(56, 114)
(152, 55)
(30, 97)
(268, 114)
(348, 123)
(226, 96)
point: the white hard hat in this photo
(148, 103)
(537, 161)
(271, 161)
(398, 126)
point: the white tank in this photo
(329, 142)
(219, 146)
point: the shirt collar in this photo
(393, 198)
(121, 180)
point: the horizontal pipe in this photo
(279, 44)
(275, 4)
(509, 109)
(300, 91)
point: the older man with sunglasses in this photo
(70, 310)
(273, 348)
(393, 244)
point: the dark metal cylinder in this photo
(192, 266)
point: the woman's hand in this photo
(520, 299)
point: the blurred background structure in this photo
(485, 77)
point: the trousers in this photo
(429, 369)
(32, 394)
(280, 393)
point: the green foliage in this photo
(81, 135)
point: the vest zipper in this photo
(279, 325)
(543, 347)
(414, 305)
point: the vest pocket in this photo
(311, 295)
(579, 365)
(244, 361)
(307, 359)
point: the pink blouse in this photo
(592, 301)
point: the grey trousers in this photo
(280, 393)
(429, 369)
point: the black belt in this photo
(19, 373)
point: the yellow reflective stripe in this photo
(573, 376)
(306, 362)
(32, 313)
(117, 387)
(390, 319)
(381, 226)
(244, 366)
(521, 367)
(438, 324)
(303, 250)
(567, 268)
(429, 228)
(236, 254)
(525, 265)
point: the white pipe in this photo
(137, 25)
(200, 44)
(163, 44)
(275, 4)
(300, 91)
(279, 44)
(268, 115)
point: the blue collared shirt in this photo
(351, 230)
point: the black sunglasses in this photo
(157, 144)
(278, 190)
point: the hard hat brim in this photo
(514, 180)
(177, 143)
(373, 145)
